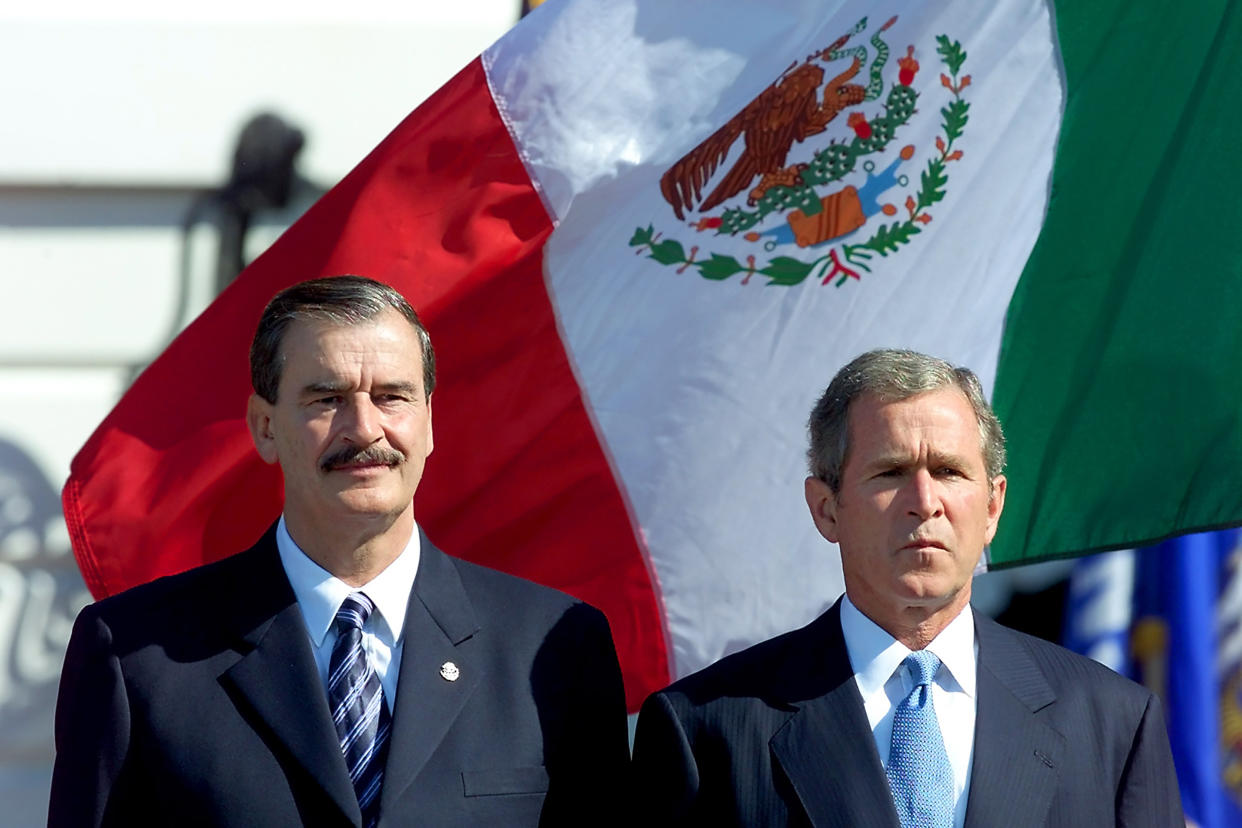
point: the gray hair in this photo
(893, 375)
(342, 300)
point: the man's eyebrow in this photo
(325, 387)
(399, 386)
(949, 458)
(901, 460)
(330, 387)
(890, 460)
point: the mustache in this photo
(352, 456)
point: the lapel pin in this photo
(449, 671)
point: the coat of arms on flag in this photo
(826, 202)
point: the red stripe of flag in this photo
(443, 210)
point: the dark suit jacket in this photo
(195, 700)
(777, 735)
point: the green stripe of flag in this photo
(1120, 376)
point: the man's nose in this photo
(923, 495)
(362, 421)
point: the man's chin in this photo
(932, 591)
(362, 503)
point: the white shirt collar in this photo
(875, 655)
(320, 594)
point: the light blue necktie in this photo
(919, 773)
(358, 709)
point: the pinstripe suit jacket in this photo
(777, 735)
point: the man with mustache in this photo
(342, 671)
(899, 706)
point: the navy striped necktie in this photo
(358, 709)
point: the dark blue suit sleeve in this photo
(578, 688)
(664, 773)
(92, 726)
(1148, 794)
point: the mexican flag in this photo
(644, 236)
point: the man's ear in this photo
(996, 505)
(259, 420)
(823, 505)
(431, 443)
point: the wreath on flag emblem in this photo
(817, 215)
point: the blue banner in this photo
(1185, 637)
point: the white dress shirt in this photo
(876, 658)
(320, 594)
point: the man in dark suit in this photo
(342, 671)
(899, 706)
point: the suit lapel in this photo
(439, 625)
(826, 747)
(277, 679)
(1017, 757)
